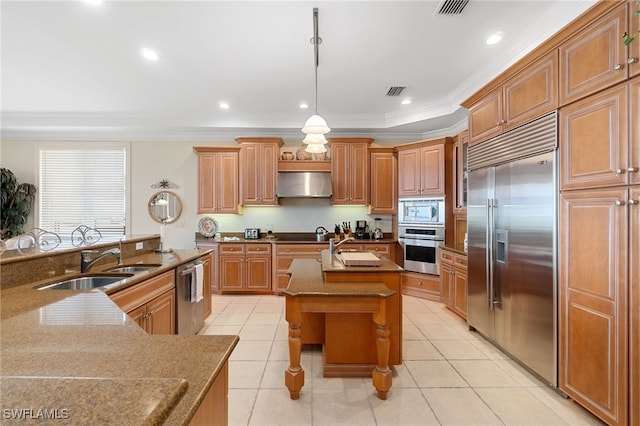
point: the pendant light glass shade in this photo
(315, 139)
(316, 125)
(315, 148)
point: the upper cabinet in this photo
(525, 96)
(259, 170)
(459, 170)
(421, 168)
(350, 170)
(384, 167)
(217, 179)
(595, 57)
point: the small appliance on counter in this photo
(252, 234)
(377, 233)
(321, 233)
(361, 230)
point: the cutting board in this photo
(359, 259)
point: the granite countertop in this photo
(59, 346)
(332, 264)
(307, 279)
(287, 238)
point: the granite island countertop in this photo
(60, 346)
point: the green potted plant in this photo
(15, 201)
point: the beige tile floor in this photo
(450, 376)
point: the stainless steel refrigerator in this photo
(512, 223)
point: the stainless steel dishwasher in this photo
(189, 310)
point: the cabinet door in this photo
(258, 272)
(460, 288)
(634, 304)
(432, 171)
(231, 272)
(446, 284)
(207, 202)
(358, 170)
(269, 153)
(532, 92)
(593, 325)
(227, 185)
(409, 173)
(251, 174)
(383, 183)
(161, 318)
(593, 141)
(634, 48)
(594, 58)
(139, 315)
(633, 163)
(485, 117)
(459, 170)
(339, 173)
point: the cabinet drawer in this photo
(231, 249)
(258, 248)
(295, 249)
(423, 283)
(446, 256)
(383, 249)
(460, 261)
(141, 293)
(283, 263)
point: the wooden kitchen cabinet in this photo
(207, 272)
(350, 170)
(528, 94)
(459, 170)
(634, 305)
(453, 281)
(151, 303)
(593, 311)
(259, 170)
(422, 169)
(285, 253)
(594, 58)
(217, 179)
(384, 197)
(245, 267)
(214, 408)
(424, 286)
(600, 141)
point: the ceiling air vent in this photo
(452, 7)
(395, 90)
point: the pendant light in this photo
(315, 127)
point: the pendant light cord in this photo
(316, 42)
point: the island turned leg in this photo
(294, 375)
(382, 373)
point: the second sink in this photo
(134, 268)
(86, 283)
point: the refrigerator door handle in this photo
(489, 255)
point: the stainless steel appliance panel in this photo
(189, 314)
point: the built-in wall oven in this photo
(421, 233)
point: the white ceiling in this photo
(72, 70)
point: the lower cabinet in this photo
(214, 409)
(453, 281)
(151, 303)
(207, 263)
(424, 286)
(285, 253)
(245, 267)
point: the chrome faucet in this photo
(86, 262)
(333, 245)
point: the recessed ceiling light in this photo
(224, 105)
(494, 38)
(94, 2)
(149, 54)
(304, 106)
(406, 102)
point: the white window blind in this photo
(83, 186)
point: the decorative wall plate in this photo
(207, 227)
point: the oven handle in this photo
(420, 242)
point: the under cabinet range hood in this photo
(304, 184)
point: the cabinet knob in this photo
(632, 170)
(618, 66)
(619, 203)
(620, 171)
(632, 60)
(632, 202)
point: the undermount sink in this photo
(134, 268)
(86, 282)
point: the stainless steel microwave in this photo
(421, 211)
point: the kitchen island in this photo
(360, 309)
(75, 357)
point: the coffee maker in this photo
(361, 230)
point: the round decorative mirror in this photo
(165, 207)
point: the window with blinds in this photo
(83, 187)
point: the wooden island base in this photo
(358, 304)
